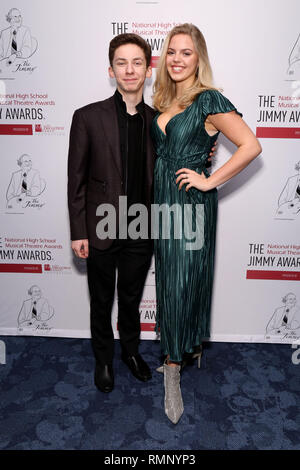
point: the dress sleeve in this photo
(214, 102)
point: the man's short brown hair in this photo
(129, 38)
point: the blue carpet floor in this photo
(245, 396)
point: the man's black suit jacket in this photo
(95, 167)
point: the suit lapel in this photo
(109, 120)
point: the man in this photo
(111, 155)
(25, 182)
(291, 189)
(294, 61)
(37, 308)
(289, 199)
(16, 40)
(285, 318)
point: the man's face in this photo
(16, 18)
(129, 68)
(291, 300)
(26, 163)
(36, 293)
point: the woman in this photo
(191, 114)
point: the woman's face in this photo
(182, 59)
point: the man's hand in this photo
(11, 59)
(80, 248)
(213, 151)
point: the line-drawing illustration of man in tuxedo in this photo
(24, 183)
(285, 318)
(16, 41)
(36, 309)
(289, 199)
(294, 61)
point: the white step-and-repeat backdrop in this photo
(61, 64)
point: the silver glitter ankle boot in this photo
(173, 398)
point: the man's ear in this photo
(111, 72)
(149, 72)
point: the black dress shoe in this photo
(104, 378)
(138, 367)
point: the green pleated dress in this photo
(184, 276)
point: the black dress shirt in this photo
(132, 142)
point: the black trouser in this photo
(132, 259)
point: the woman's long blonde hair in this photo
(164, 86)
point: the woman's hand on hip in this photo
(192, 179)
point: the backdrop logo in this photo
(289, 199)
(57, 269)
(17, 44)
(35, 311)
(293, 71)
(49, 129)
(285, 321)
(25, 188)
